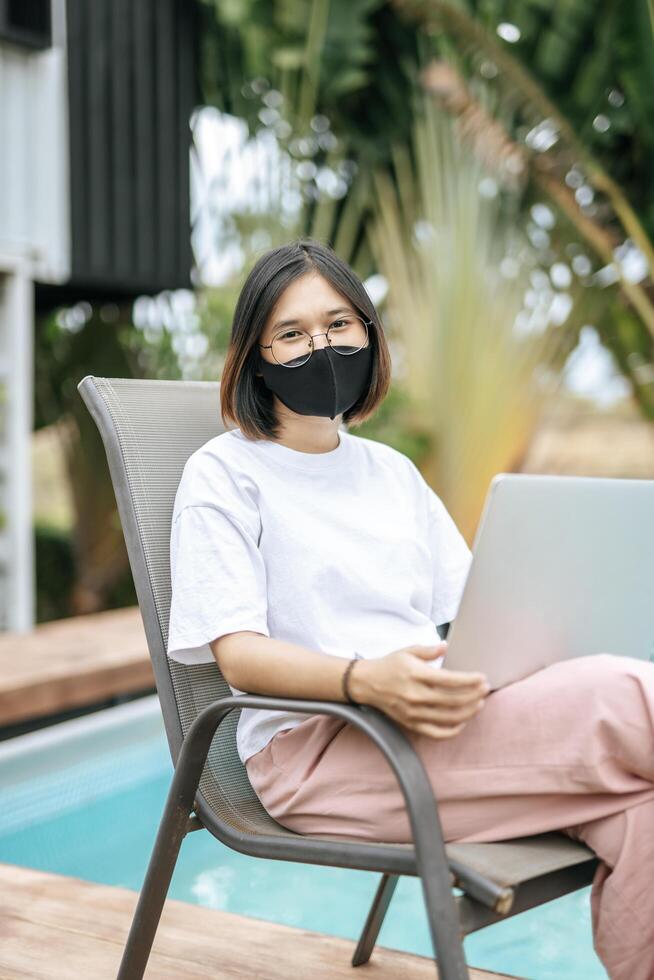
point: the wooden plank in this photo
(54, 928)
(575, 439)
(69, 663)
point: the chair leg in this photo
(378, 910)
(442, 915)
(172, 830)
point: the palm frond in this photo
(536, 106)
(476, 384)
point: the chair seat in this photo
(509, 863)
(530, 870)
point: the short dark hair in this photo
(244, 398)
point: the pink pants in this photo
(568, 748)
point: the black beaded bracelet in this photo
(346, 677)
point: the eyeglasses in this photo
(293, 348)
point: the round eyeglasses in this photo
(293, 348)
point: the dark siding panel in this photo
(132, 90)
(99, 137)
(144, 137)
(77, 110)
(187, 32)
(122, 96)
(26, 22)
(166, 133)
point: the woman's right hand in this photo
(406, 685)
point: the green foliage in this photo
(354, 60)
(458, 278)
(71, 344)
(393, 425)
(579, 134)
(55, 573)
(593, 60)
(81, 574)
(56, 577)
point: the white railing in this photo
(34, 245)
(16, 535)
(34, 193)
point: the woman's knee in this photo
(620, 694)
(608, 685)
(603, 671)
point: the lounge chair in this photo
(149, 429)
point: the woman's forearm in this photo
(406, 684)
(261, 665)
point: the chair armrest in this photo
(398, 750)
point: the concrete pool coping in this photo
(26, 756)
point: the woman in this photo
(314, 563)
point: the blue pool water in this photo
(84, 798)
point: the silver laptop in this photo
(563, 566)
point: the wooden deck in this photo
(54, 928)
(575, 438)
(72, 663)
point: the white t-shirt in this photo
(341, 551)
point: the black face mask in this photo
(328, 384)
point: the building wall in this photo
(34, 180)
(94, 201)
(16, 538)
(34, 245)
(132, 89)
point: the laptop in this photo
(563, 566)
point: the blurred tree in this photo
(572, 93)
(481, 355)
(69, 345)
(354, 60)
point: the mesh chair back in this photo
(150, 428)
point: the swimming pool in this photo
(84, 798)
